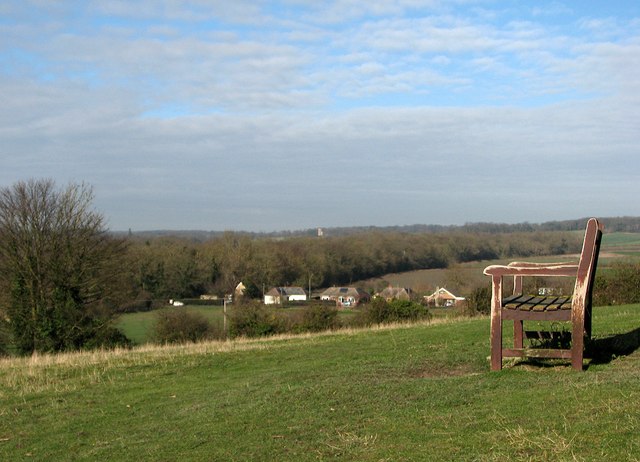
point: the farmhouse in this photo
(395, 293)
(279, 295)
(442, 297)
(240, 290)
(345, 296)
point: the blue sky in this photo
(293, 114)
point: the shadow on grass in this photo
(604, 350)
(599, 350)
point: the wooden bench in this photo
(520, 307)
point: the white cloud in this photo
(213, 118)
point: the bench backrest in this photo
(587, 266)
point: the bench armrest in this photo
(539, 265)
(532, 269)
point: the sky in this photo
(296, 114)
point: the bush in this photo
(5, 337)
(136, 306)
(380, 311)
(317, 318)
(253, 319)
(107, 337)
(619, 285)
(180, 326)
(479, 301)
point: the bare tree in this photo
(58, 263)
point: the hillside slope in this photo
(422, 392)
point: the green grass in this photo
(620, 239)
(139, 326)
(422, 392)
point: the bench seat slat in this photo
(536, 303)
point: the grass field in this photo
(406, 393)
(139, 327)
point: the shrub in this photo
(253, 319)
(619, 285)
(180, 326)
(135, 306)
(380, 311)
(317, 318)
(108, 337)
(479, 301)
(5, 337)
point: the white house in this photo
(279, 295)
(442, 297)
(345, 296)
(395, 293)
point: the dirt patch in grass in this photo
(433, 371)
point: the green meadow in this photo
(139, 327)
(398, 393)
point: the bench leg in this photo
(496, 342)
(577, 336)
(518, 334)
(496, 324)
(577, 347)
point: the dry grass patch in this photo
(432, 371)
(70, 371)
(531, 445)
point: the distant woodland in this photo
(171, 266)
(188, 263)
(614, 224)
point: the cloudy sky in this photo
(293, 114)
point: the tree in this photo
(58, 264)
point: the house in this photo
(442, 297)
(395, 293)
(279, 295)
(240, 290)
(345, 296)
(208, 297)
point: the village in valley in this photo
(343, 297)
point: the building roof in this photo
(287, 291)
(443, 294)
(394, 292)
(345, 292)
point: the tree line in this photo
(612, 224)
(170, 267)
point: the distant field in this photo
(460, 278)
(620, 239)
(622, 244)
(139, 327)
(405, 393)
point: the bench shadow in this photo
(599, 350)
(604, 350)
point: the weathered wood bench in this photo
(520, 307)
